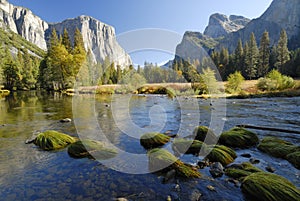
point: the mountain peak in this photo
(220, 25)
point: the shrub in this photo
(275, 81)
(235, 81)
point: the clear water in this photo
(28, 173)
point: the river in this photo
(28, 173)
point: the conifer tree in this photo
(264, 55)
(283, 54)
(66, 41)
(251, 58)
(239, 56)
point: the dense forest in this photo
(67, 62)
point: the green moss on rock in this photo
(52, 140)
(204, 134)
(277, 147)
(189, 146)
(221, 154)
(239, 137)
(161, 159)
(266, 186)
(239, 171)
(154, 140)
(91, 149)
(294, 158)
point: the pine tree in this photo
(283, 54)
(264, 55)
(79, 53)
(251, 59)
(239, 56)
(66, 41)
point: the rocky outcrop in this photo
(99, 38)
(282, 14)
(23, 22)
(220, 25)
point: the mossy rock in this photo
(189, 146)
(161, 159)
(203, 133)
(239, 171)
(265, 186)
(294, 158)
(154, 140)
(91, 149)
(53, 140)
(239, 137)
(277, 147)
(222, 154)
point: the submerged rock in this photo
(161, 159)
(189, 146)
(216, 170)
(222, 154)
(65, 120)
(267, 186)
(239, 137)
(270, 169)
(294, 158)
(154, 140)
(52, 140)
(239, 171)
(204, 134)
(91, 149)
(277, 147)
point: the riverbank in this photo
(249, 90)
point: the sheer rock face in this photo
(98, 37)
(22, 21)
(220, 25)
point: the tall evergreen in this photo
(264, 55)
(66, 41)
(283, 54)
(79, 53)
(251, 59)
(239, 56)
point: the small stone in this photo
(169, 198)
(169, 175)
(195, 196)
(203, 164)
(270, 169)
(234, 181)
(254, 161)
(246, 155)
(216, 170)
(211, 188)
(121, 199)
(66, 120)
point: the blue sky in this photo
(127, 15)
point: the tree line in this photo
(251, 60)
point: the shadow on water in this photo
(28, 173)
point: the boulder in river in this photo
(277, 147)
(91, 149)
(161, 159)
(294, 158)
(216, 170)
(52, 140)
(204, 134)
(154, 140)
(238, 137)
(239, 171)
(189, 146)
(267, 186)
(222, 154)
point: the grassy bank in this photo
(249, 90)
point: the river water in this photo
(28, 173)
